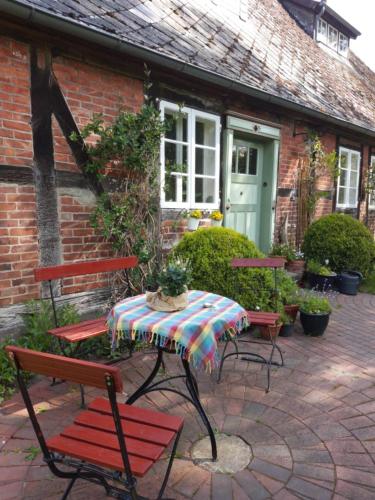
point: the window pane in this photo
(343, 177)
(177, 126)
(204, 161)
(353, 179)
(322, 31)
(175, 157)
(234, 159)
(343, 44)
(175, 187)
(205, 132)
(253, 160)
(344, 160)
(341, 197)
(204, 190)
(332, 37)
(242, 159)
(352, 196)
(355, 162)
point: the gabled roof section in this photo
(268, 52)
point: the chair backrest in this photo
(61, 367)
(271, 262)
(86, 267)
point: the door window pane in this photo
(204, 190)
(353, 179)
(204, 161)
(343, 177)
(242, 159)
(354, 161)
(253, 161)
(176, 126)
(205, 132)
(234, 159)
(344, 160)
(352, 196)
(341, 197)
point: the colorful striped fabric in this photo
(193, 333)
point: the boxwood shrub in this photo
(210, 251)
(343, 240)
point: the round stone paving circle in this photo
(233, 454)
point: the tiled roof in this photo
(267, 51)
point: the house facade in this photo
(243, 84)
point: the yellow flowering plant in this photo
(195, 214)
(216, 215)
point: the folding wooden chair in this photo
(109, 441)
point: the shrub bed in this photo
(343, 240)
(210, 252)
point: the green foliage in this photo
(283, 250)
(210, 252)
(38, 319)
(175, 277)
(128, 216)
(287, 288)
(315, 267)
(313, 304)
(368, 285)
(345, 241)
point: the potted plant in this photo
(296, 264)
(193, 220)
(320, 277)
(288, 294)
(294, 258)
(216, 218)
(173, 281)
(287, 326)
(314, 314)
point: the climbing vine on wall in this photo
(124, 155)
(317, 163)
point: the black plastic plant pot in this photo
(348, 282)
(322, 283)
(286, 330)
(314, 324)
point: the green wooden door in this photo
(243, 188)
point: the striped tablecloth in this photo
(193, 333)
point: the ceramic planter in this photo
(286, 330)
(292, 310)
(193, 223)
(216, 223)
(321, 283)
(314, 324)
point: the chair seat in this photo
(92, 437)
(258, 318)
(81, 331)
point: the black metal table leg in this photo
(191, 385)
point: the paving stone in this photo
(308, 489)
(356, 476)
(271, 470)
(221, 487)
(311, 456)
(357, 422)
(251, 485)
(353, 491)
(313, 471)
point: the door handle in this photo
(227, 206)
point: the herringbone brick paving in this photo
(312, 436)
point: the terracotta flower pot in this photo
(268, 332)
(295, 266)
(292, 310)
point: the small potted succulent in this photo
(216, 218)
(315, 311)
(173, 281)
(193, 220)
(320, 277)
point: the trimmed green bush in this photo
(210, 252)
(343, 240)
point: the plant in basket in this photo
(193, 220)
(173, 281)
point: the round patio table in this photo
(193, 334)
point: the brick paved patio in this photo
(312, 436)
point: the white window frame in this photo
(324, 38)
(192, 115)
(343, 52)
(347, 187)
(371, 199)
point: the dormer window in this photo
(331, 37)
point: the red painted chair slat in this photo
(80, 331)
(271, 262)
(135, 429)
(74, 370)
(263, 319)
(80, 268)
(97, 454)
(130, 412)
(109, 440)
